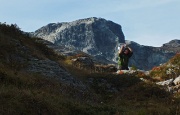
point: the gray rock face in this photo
(95, 36)
(172, 44)
(146, 57)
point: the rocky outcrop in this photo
(168, 74)
(173, 45)
(171, 85)
(94, 36)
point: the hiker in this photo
(124, 54)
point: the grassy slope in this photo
(169, 70)
(31, 93)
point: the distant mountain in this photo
(173, 45)
(100, 38)
(146, 57)
(95, 36)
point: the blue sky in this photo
(147, 22)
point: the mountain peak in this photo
(172, 43)
(85, 20)
(95, 36)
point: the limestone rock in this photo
(171, 85)
(177, 80)
(95, 36)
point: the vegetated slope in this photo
(28, 84)
(27, 88)
(168, 70)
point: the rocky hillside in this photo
(21, 52)
(168, 70)
(99, 37)
(34, 79)
(168, 74)
(95, 36)
(146, 57)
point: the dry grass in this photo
(172, 66)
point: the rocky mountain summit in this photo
(100, 38)
(95, 36)
(172, 44)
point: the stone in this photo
(167, 82)
(177, 80)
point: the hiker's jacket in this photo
(123, 59)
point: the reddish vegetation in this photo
(156, 69)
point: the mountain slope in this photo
(35, 80)
(173, 45)
(32, 79)
(168, 70)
